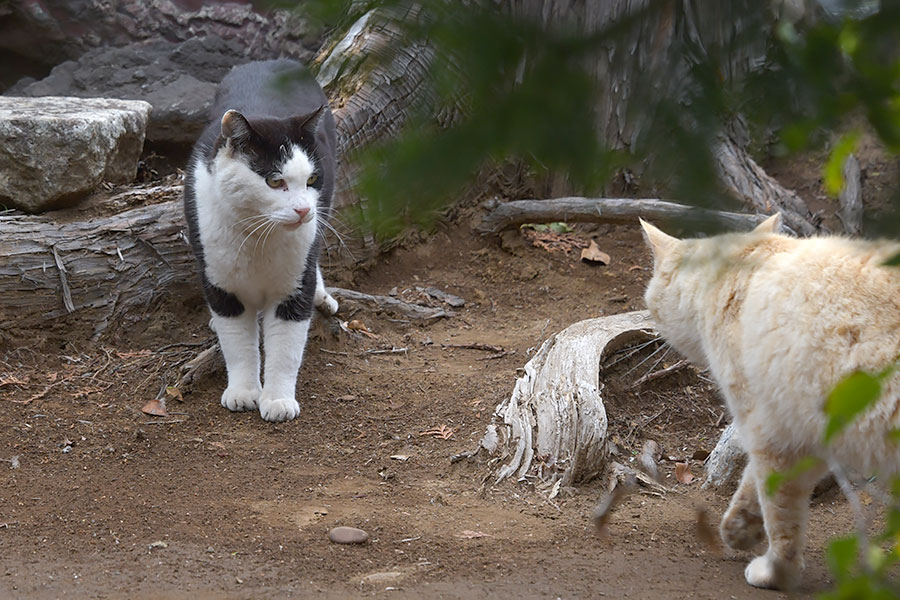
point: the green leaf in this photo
(560, 228)
(893, 261)
(850, 397)
(834, 176)
(841, 555)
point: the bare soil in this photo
(104, 501)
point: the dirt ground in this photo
(98, 500)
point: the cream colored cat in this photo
(779, 321)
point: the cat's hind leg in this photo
(785, 514)
(239, 340)
(742, 525)
(322, 299)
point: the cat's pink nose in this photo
(301, 212)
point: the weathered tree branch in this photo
(610, 210)
(851, 212)
(747, 181)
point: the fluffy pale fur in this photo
(779, 321)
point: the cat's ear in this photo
(235, 127)
(770, 225)
(659, 241)
(309, 123)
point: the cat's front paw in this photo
(766, 572)
(238, 398)
(742, 529)
(326, 303)
(278, 409)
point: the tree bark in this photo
(850, 199)
(100, 268)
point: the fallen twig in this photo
(498, 355)
(661, 373)
(394, 350)
(484, 347)
(415, 311)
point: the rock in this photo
(178, 79)
(348, 535)
(726, 462)
(54, 151)
(35, 35)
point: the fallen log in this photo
(610, 210)
(99, 268)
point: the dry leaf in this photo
(700, 455)
(357, 325)
(400, 457)
(593, 254)
(683, 473)
(466, 534)
(174, 392)
(155, 408)
(635, 268)
(442, 432)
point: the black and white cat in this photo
(259, 180)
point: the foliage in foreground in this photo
(521, 89)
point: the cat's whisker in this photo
(631, 351)
(648, 357)
(269, 226)
(251, 217)
(267, 234)
(249, 235)
(256, 221)
(659, 360)
(340, 238)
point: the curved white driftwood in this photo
(554, 424)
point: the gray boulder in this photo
(178, 79)
(54, 151)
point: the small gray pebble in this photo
(348, 535)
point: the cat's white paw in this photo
(326, 303)
(238, 398)
(278, 409)
(765, 572)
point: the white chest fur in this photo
(259, 260)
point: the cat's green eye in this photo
(274, 181)
(312, 179)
